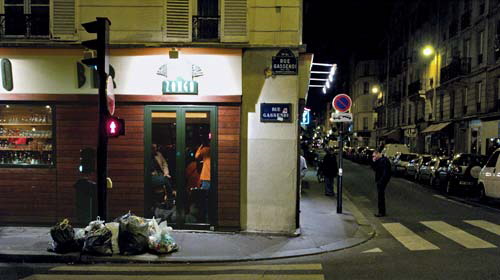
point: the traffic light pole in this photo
(101, 62)
(339, 182)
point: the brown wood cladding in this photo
(44, 196)
(229, 166)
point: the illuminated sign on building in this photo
(183, 76)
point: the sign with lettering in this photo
(179, 76)
(285, 63)
(276, 112)
(341, 117)
(179, 86)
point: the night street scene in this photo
(249, 139)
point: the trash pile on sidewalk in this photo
(127, 235)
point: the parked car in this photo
(367, 155)
(464, 171)
(358, 153)
(431, 172)
(391, 150)
(400, 163)
(489, 178)
(414, 165)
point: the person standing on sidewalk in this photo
(329, 169)
(303, 170)
(383, 174)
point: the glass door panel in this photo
(197, 162)
(163, 165)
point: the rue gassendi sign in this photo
(275, 112)
(285, 63)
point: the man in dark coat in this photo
(329, 170)
(383, 174)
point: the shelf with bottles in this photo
(26, 158)
(26, 135)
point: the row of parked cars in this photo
(463, 173)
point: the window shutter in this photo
(63, 20)
(234, 21)
(178, 21)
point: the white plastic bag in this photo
(115, 230)
(160, 241)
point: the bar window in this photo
(26, 135)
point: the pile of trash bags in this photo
(127, 235)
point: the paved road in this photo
(425, 236)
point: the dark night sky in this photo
(334, 30)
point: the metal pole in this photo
(339, 182)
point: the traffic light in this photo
(87, 160)
(100, 45)
(115, 127)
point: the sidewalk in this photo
(322, 230)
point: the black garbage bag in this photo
(98, 242)
(63, 236)
(133, 235)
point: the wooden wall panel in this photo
(229, 166)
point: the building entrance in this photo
(180, 165)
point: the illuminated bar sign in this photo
(276, 112)
(285, 63)
(179, 86)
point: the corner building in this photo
(186, 73)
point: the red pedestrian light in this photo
(115, 127)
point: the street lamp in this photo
(375, 89)
(428, 51)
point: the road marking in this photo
(453, 201)
(491, 227)
(178, 277)
(117, 268)
(461, 237)
(374, 250)
(408, 238)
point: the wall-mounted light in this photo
(173, 53)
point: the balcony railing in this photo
(206, 29)
(458, 67)
(24, 26)
(414, 87)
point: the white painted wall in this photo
(269, 191)
(51, 72)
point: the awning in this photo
(394, 132)
(436, 127)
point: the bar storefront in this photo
(179, 158)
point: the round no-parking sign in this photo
(342, 102)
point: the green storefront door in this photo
(180, 165)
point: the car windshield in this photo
(443, 163)
(426, 159)
(466, 160)
(407, 157)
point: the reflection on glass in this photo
(197, 167)
(163, 166)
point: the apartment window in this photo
(366, 69)
(481, 7)
(403, 120)
(466, 50)
(365, 123)
(479, 93)
(452, 105)
(441, 106)
(465, 97)
(480, 47)
(206, 23)
(26, 18)
(366, 88)
(497, 95)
